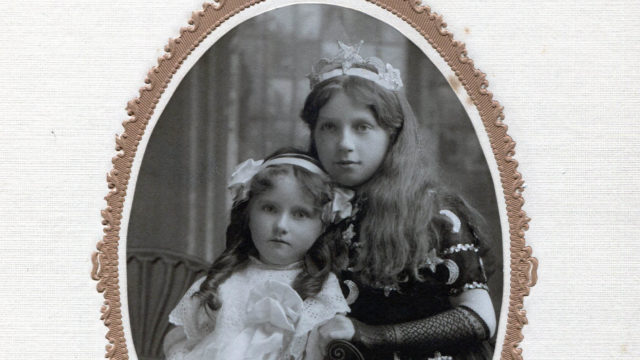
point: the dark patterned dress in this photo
(454, 267)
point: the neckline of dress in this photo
(296, 265)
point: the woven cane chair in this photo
(157, 279)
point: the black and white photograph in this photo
(314, 185)
(319, 180)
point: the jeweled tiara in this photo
(349, 62)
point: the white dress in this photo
(261, 317)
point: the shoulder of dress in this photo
(195, 287)
(331, 286)
(187, 310)
(331, 278)
(456, 232)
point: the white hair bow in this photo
(241, 178)
(339, 208)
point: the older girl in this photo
(415, 278)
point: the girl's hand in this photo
(338, 328)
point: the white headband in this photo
(294, 159)
(239, 184)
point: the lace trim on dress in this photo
(190, 316)
(201, 332)
(460, 247)
(194, 336)
(469, 286)
(316, 311)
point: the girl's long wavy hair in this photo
(401, 198)
(317, 262)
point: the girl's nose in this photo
(346, 141)
(281, 225)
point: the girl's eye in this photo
(327, 126)
(268, 208)
(300, 214)
(363, 127)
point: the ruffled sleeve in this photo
(317, 310)
(459, 253)
(192, 324)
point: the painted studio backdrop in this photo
(242, 100)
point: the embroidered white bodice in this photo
(261, 317)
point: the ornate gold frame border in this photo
(431, 25)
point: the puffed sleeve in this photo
(192, 324)
(460, 250)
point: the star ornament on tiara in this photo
(349, 55)
(348, 61)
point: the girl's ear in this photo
(393, 134)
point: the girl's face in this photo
(350, 143)
(284, 222)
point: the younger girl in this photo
(415, 279)
(266, 294)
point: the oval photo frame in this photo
(449, 56)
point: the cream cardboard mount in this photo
(424, 28)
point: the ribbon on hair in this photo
(339, 208)
(241, 177)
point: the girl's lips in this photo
(347, 162)
(347, 165)
(280, 241)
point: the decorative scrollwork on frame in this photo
(431, 25)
